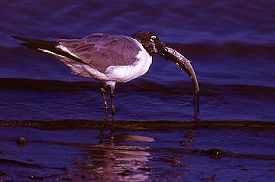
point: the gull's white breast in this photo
(130, 72)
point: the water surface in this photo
(155, 134)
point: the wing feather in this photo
(103, 50)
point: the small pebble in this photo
(21, 141)
(33, 177)
(215, 153)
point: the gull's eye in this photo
(153, 38)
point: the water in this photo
(155, 135)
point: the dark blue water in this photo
(155, 134)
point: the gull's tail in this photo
(50, 47)
(38, 44)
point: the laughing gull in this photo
(111, 58)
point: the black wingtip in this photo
(20, 38)
(37, 45)
(27, 42)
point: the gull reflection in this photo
(117, 157)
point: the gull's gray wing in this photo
(103, 50)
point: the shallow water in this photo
(156, 133)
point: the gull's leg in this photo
(112, 96)
(103, 94)
(112, 85)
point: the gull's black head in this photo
(150, 41)
(152, 44)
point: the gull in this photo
(111, 58)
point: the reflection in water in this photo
(196, 107)
(127, 157)
(112, 159)
(189, 137)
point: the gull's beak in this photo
(181, 62)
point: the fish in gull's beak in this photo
(152, 44)
(181, 62)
